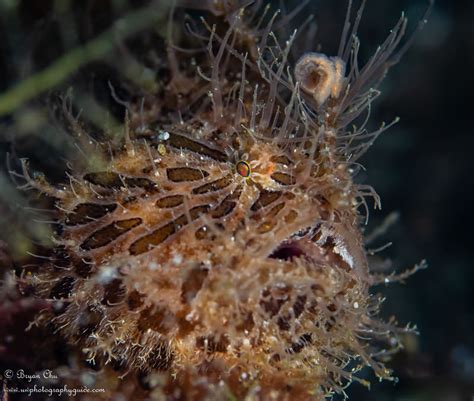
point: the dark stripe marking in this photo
(140, 182)
(265, 198)
(109, 179)
(213, 186)
(275, 210)
(180, 174)
(183, 142)
(109, 233)
(146, 243)
(106, 179)
(87, 212)
(284, 179)
(170, 201)
(226, 207)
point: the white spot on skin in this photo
(177, 259)
(107, 274)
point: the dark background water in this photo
(422, 168)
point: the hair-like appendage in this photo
(217, 250)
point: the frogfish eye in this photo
(243, 168)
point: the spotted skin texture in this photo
(221, 248)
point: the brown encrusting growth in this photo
(218, 253)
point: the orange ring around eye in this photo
(243, 168)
